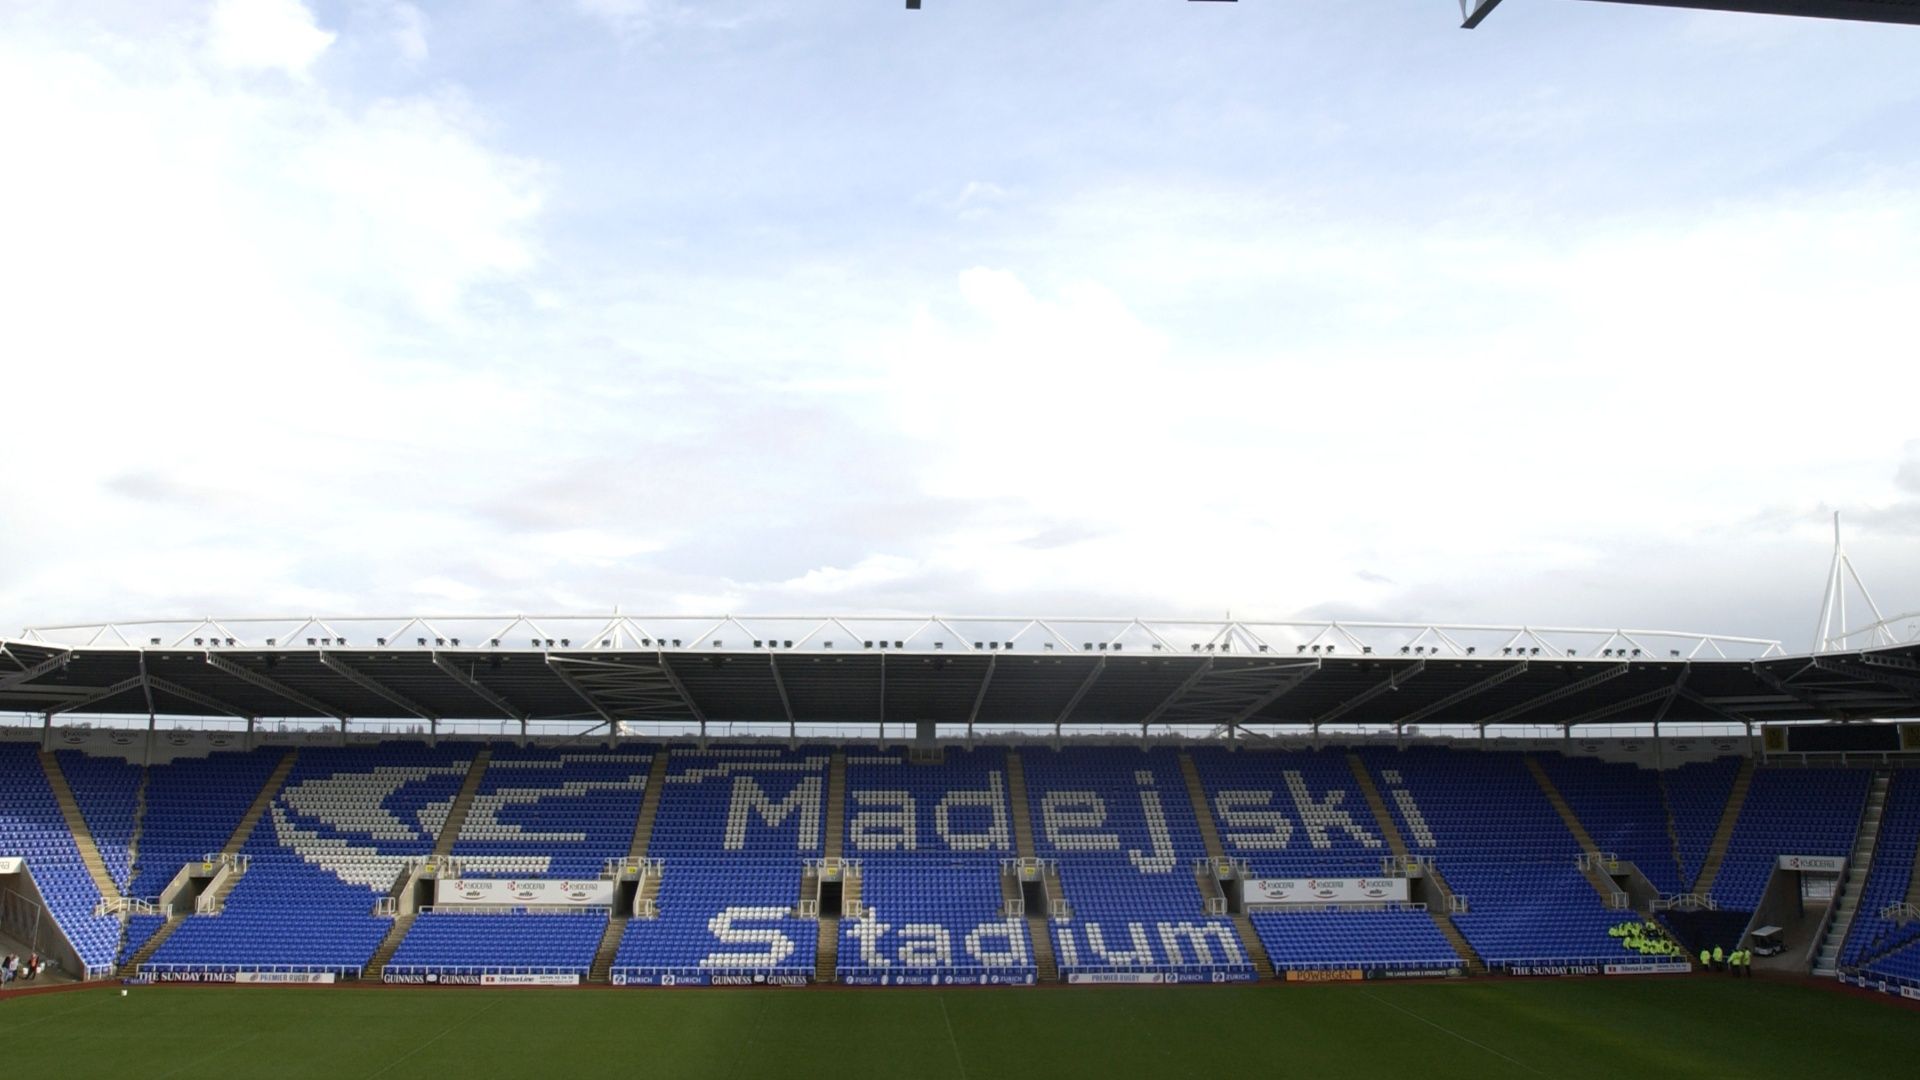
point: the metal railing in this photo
(1686, 902)
(1404, 865)
(1605, 861)
(1900, 913)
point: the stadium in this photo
(671, 803)
(878, 843)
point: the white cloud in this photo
(262, 35)
(407, 29)
(338, 341)
(262, 295)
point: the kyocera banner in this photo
(12, 866)
(1814, 864)
(1257, 891)
(492, 892)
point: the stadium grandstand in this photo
(641, 801)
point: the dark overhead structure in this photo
(1881, 11)
(635, 676)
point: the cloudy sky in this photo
(1591, 316)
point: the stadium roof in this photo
(1886, 11)
(953, 670)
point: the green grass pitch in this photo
(1697, 1026)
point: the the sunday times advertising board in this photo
(525, 892)
(1284, 891)
(272, 978)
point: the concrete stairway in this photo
(1673, 827)
(826, 954)
(442, 847)
(139, 828)
(224, 883)
(390, 944)
(1208, 880)
(1022, 809)
(1396, 843)
(1048, 969)
(77, 825)
(215, 898)
(462, 803)
(268, 792)
(1847, 901)
(603, 956)
(1717, 853)
(649, 808)
(146, 950)
(1913, 879)
(1596, 877)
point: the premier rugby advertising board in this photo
(1257, 892)
(502, 892)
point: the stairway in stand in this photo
(1442, 919)
(216, 897)
(826, 955)
(462, 803)
(146, 950)
(1847, 900)
(235, 841)
(77, 825)
(1596, 877)
(1208, 879)
(1048, 970)
(376, 965)
(603, 957)
(1736, 798)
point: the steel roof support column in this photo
(606, 718)
(786, 703)
(100, 694)
(980, 695)
(473, 686)
(1906, 684)
(1664, 694)
(277, 688)
(1086, 684)
(205, 701)
(146, 687)
(1518, 668)
(1304, 672)
(1780, 685)
(26, 675)
(680, 688)
(1179, 692)
(1726, 714)
(376, 688)
(1391, 682)
(1560, 694)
